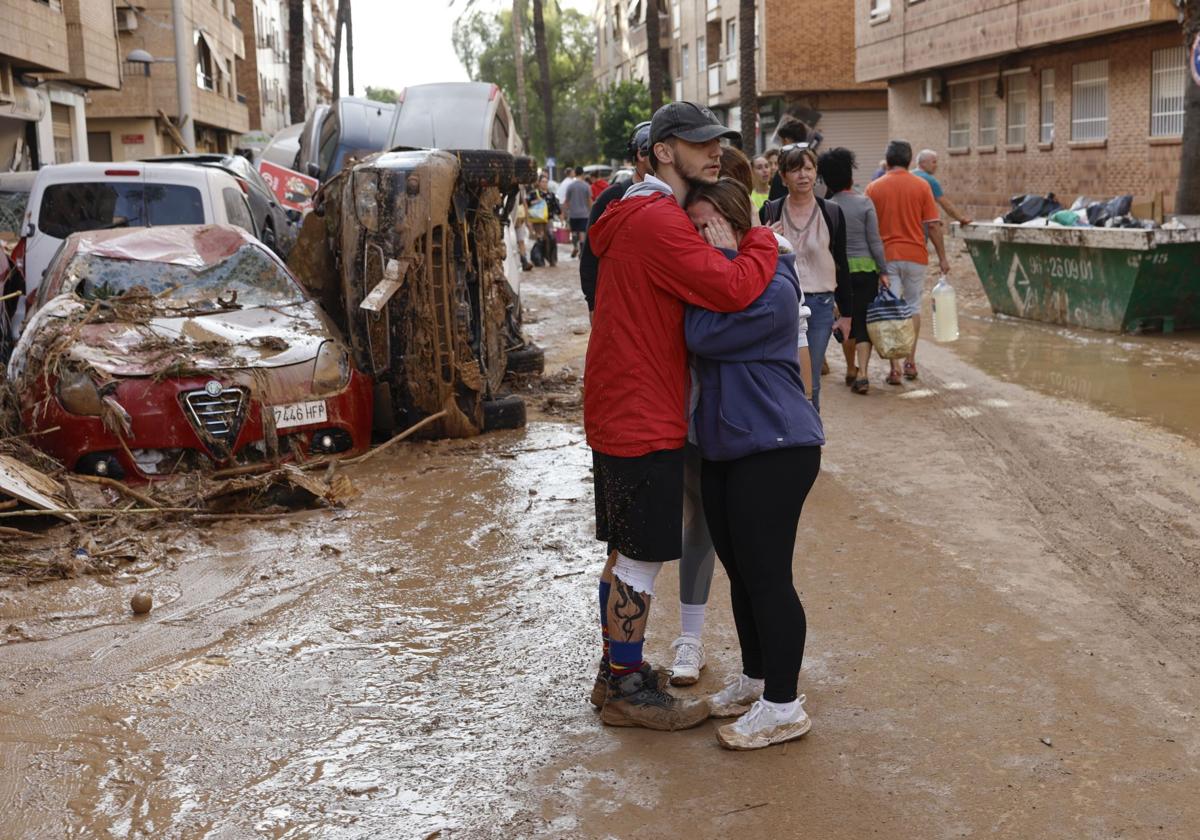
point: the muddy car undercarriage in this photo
(405, 250)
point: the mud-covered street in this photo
(999, 565)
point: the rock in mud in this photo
(141, 603)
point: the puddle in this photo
(1148, 377)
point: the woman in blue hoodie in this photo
(760, 439)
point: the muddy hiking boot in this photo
(636, 700)
(600, 687)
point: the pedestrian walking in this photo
(864, 257)
(906, 210)
(760, 440)
(520, 222)
(599, 185)
(927, 166)
(652, 263)
(576, 206)
(543, 209)
(762, 183)
(817, 232)
(791, 132)
(698, 559)
(568, 178)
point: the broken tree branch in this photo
(406, 433)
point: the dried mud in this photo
(1001, 589)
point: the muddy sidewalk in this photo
(1001, 589)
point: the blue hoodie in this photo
(751, 395)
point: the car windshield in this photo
(12, 210)
(68, 208)
(247, 278)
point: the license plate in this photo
(300, 414)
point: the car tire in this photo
(481, 168)
(525, 169)
(507, 412)
(527, 359)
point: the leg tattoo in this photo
(630, 608)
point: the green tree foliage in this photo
(620, 108)
(382, 94)
(483, 42)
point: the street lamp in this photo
(183, 73)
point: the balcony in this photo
(714, 82)
(637, 35)
(731, 68)
(712, 10)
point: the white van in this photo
(72, 197)
(454, 115)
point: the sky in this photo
(408, 43)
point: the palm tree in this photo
(296, 104)
(1187, 192)
(654, 69)
(747, 76)
(343, 19)
(543, 60)
(519, 54)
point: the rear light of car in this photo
(245, 186)
(18, 256)
(495, 90)
(122, 173)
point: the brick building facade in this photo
(51, 55)
(804, 61)
(1090, 103)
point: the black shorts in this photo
(639, 504)
(579, 225)
(864, 286)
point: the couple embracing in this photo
(682, 269)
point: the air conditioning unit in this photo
(127, 20)
(930, 91)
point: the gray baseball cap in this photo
(688, 121)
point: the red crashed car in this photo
(159, 350)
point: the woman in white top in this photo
(817, 231)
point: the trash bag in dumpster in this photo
(1026, 207)
(890, 325)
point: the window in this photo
(1168, 82)
(1047, 132)
(236, 210)
(67, 208)
(1015, 108)
(960, 116)
(675, 16)
(987, 113)
(206, 70)
(700, 52)
(731, 51)
(64, 144)
(1089, 100)
(685, 61)
(880, 9)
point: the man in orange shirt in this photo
(905, 207)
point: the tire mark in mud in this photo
(1133, 549)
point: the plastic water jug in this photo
(945, 311)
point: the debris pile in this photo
(1046, 211)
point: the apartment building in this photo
(316, 51)
(804, 59)
(129, 123)
(1075, 97)
(52, 54)
(263, 75)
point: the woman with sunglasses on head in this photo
(816, 230)
(760, 442)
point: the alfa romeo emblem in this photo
(213, 388)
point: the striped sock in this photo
(626, 658)
(605, 588)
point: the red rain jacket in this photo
(653, 262)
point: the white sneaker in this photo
(763, 726)
(736, 697)
(689, 660)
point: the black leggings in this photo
(753, 506)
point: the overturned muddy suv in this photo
(406, 251)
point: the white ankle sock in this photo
(782, 710)
(691, 619)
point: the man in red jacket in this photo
(653, 262)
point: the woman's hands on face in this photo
(719, 234)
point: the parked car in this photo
(176, 348)
(14, 197)
(271, 220)
(351, 127)
(406, 251)
(284, 146)
(454, 115)
(73, 197)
